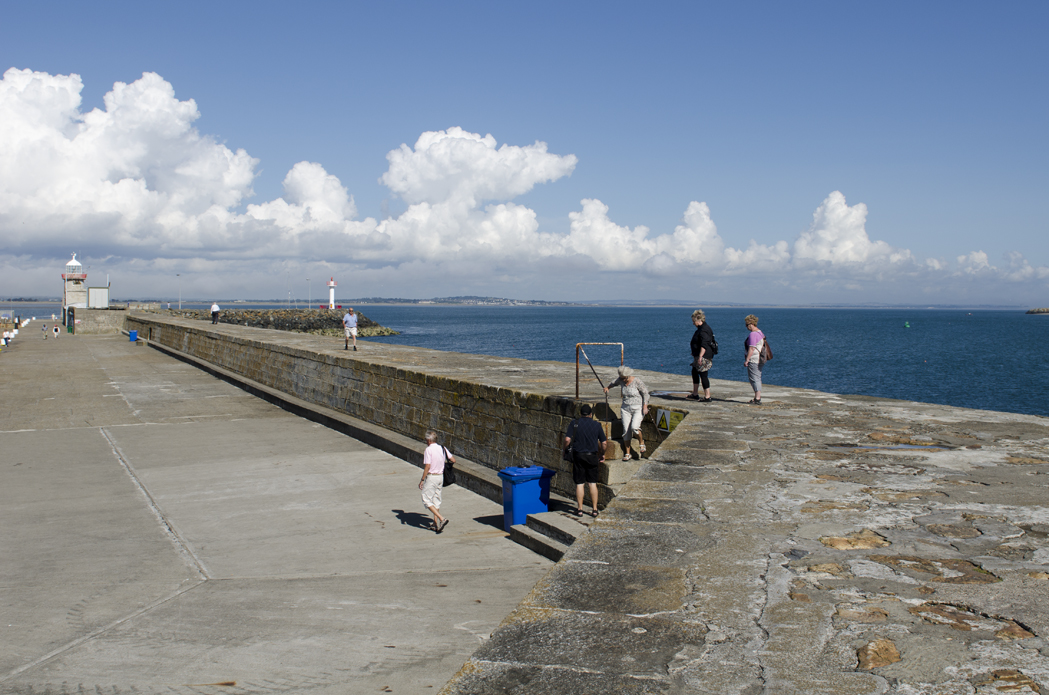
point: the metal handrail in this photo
(577, 348)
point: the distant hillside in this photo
(479, 301)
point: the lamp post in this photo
(179, 276)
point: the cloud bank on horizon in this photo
(137, 187)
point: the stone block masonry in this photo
(483, 410)
(98, 321)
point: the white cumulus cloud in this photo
(134, 174)
(455, 166)
(136, 180)
(838, 235)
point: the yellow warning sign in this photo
(667, 420)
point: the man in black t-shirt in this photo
(587, 441)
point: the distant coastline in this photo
(502, 301)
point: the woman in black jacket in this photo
(702, 356)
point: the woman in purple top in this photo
(754, 343)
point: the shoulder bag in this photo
(449, 469)
(766, 351)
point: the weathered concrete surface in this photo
(767, 549)
(162, 529)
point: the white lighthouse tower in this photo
(331, 293)
(74, 288)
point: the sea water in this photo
(990, 360)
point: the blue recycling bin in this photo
(526, 490)
(133, 335)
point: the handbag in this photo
(449, 469)
(766, 351)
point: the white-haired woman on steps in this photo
(634, 408)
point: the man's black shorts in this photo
(584, 467)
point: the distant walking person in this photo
(349, 321)
(633, 409)
(587, 441)
(214, 313)
(55, 331)
(45, 331)
(702, 355)
(434, 458)
(754, 344)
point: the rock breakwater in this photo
(316, 321)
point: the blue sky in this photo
(930, 116)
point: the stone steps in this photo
(550, 533)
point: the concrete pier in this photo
(162, 531)
(817, 543)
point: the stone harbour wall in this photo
(321, 321)
(489, 424)
(98, 321)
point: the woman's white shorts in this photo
(432, 491)
(631, 421)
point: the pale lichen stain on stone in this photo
(831, 568)
(904, 440)
(1007, 681)
(954, 530)
(869, 614)
(820, 506)
(903, 496)
(965, 620)
(823, 455)
(861, 540)
(1013, 631)
(943, 571)
(878, 653)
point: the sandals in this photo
(754, 401)
(593, 513)
(705, 400)
(443, 524)
(692, 397)
(642, 448)
(627, 457)
(578, 512)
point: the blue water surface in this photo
(991, 360)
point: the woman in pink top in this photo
(434, 458)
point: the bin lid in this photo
(523, 473)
